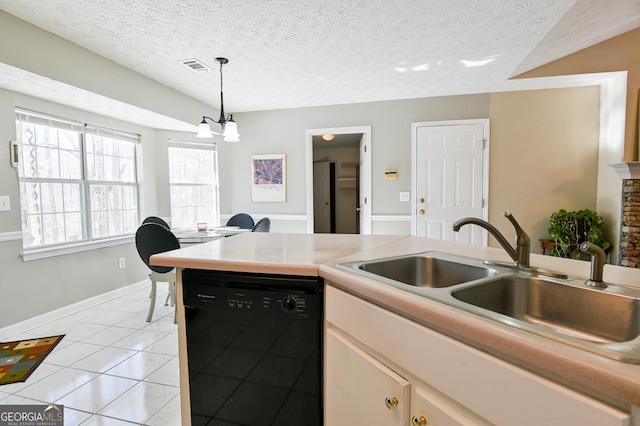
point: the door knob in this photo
(421, 211)
(391, 402)
(418, 421)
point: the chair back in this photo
(156, 219)
(263, 225)
(153, 238)
(241, 220)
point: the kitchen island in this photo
(532, 378)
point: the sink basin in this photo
(425, 270)
(602, 321)
(572, 310)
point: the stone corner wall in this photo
(629, 250)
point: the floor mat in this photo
(19, 359)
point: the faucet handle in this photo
(523, 242)
(520, 233)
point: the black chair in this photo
(263, 225)
(241, 220)
(156, 219)
(153, 238)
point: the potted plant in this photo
(569, 229)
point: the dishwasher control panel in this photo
(301, 301)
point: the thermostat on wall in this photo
(391, 174)
(13, 153)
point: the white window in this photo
(78, 183)
(193, 177)
(113, 183)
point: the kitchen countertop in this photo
(318, 254)
(271, 253)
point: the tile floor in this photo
(111, 369)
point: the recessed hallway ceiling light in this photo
(328, 138)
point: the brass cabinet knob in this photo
(421, 211)
(391, 402)
(418, 421)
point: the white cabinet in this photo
(449, 382)
(359, 389)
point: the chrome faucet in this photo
(520, 254)
(598, 260)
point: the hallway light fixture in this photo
(229, 127)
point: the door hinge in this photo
(482, 203)
(484, 143)
(365, 148)
(365, 200)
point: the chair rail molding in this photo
(10, 236)
(391, 217)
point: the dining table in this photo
(188, 236)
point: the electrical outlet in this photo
(405, 196)
(121, 263)
(4, 203)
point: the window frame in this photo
(89, 242)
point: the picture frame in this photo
(268, 178)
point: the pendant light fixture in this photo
(229, 127)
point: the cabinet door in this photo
(360, 390)
(427, 408)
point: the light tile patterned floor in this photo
(111, 369)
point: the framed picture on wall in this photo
(268, 178)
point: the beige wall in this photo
(544, 156)
(616, 54)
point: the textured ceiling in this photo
(299, 53)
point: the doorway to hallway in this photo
(339, 176)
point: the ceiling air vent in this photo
(195, 65)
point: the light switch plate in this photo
(4, 203)
(405, 196)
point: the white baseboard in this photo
(22, 326)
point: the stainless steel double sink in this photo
(603, 321)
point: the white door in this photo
(450, 174)
(321, 197)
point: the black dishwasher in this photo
(254, 344)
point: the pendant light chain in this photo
(221, 88)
